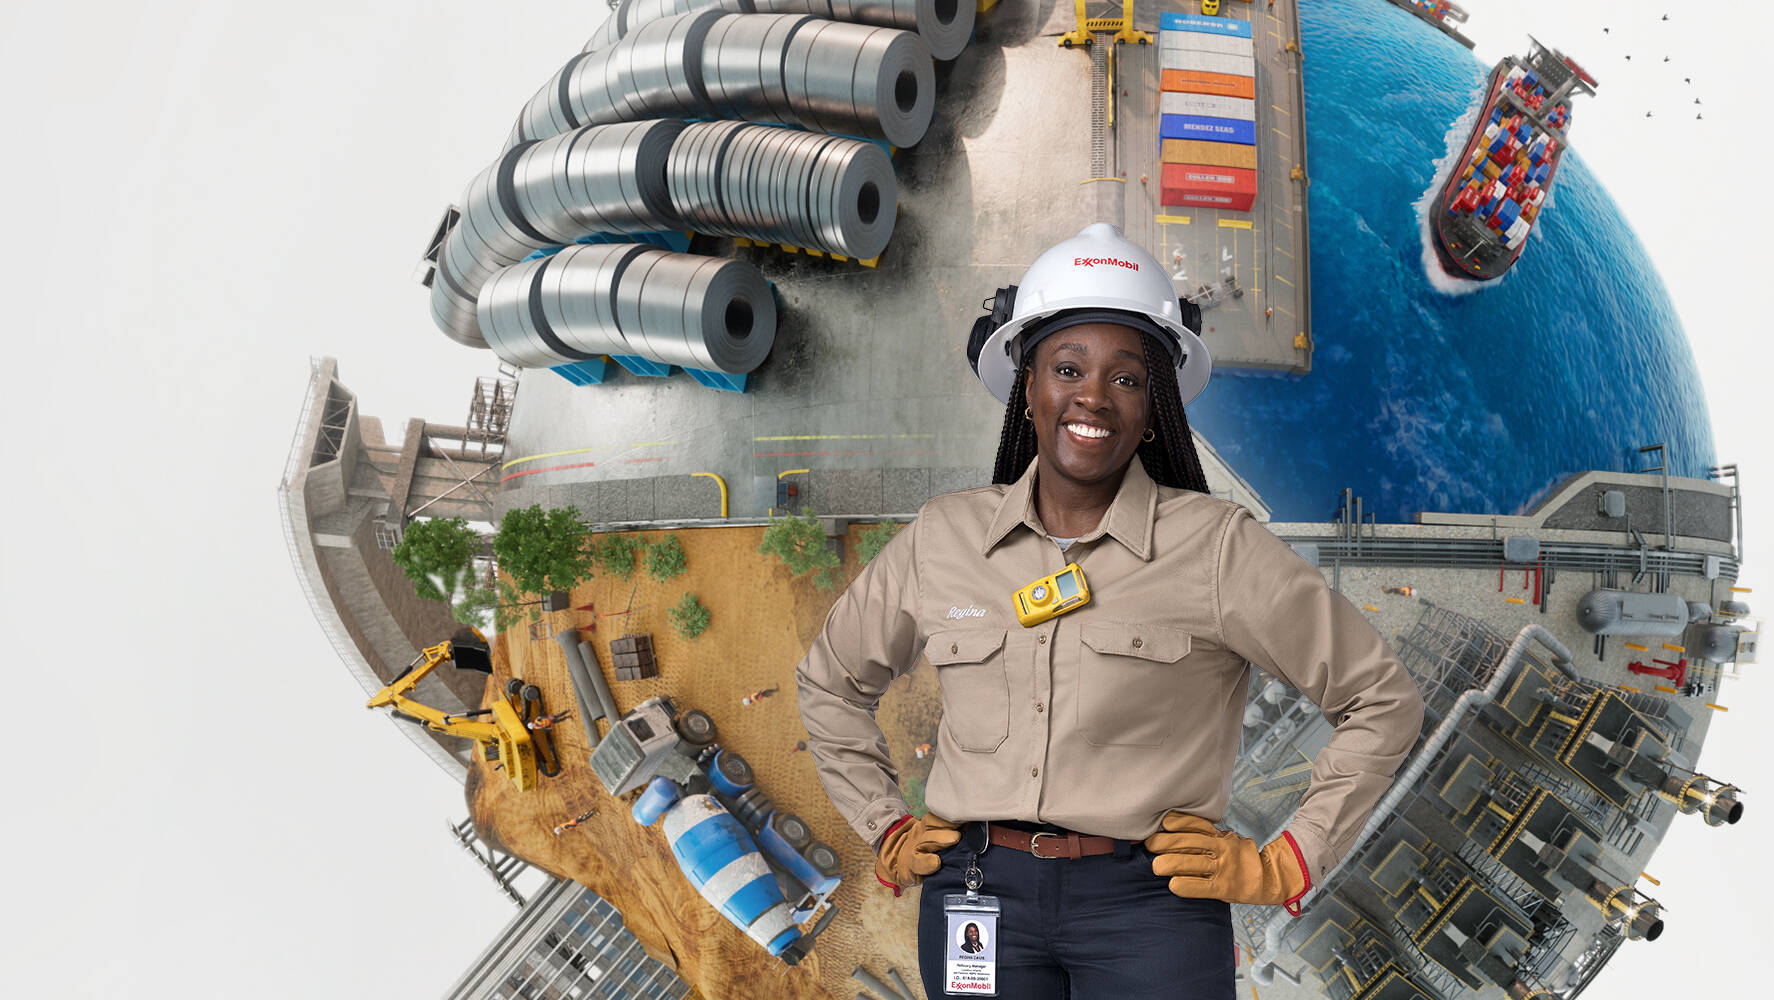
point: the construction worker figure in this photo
(1081, 763)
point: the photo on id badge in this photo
(972, 954)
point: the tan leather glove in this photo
(908, 850)
(1205, 862)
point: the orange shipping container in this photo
(1218, 154)
(1205, 186)
(1191, 81)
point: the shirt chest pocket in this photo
(1134, 680)
(970, 667)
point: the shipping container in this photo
(1190, 184)
(1213, 25)
(1491, 169)
(1211, 129)
(1218, 154)
(1208, 62)
(1195, 41)
(1208, 106)
(1187, 81)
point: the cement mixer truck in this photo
(759, 866)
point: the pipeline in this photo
(1262, 967)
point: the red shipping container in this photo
(1200, 186)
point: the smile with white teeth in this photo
(1085, 430)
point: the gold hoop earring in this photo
(1148, 436)
(1027, 415)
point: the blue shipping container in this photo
(1211, 129)
(1206, 25)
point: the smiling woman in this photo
(1094, 740)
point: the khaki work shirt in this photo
(1105, 717)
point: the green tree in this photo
(872, 539)
(689, 617)
(476, 606)
(438, 556)
(543, 550)
(666, 559)
(617, 554)
(800, 542)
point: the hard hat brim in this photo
(997, 371)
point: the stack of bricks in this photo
(633, 656)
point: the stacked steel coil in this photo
(829, 76)
(627, 15)
(782, 186)
(699, 312)
(945, 25)
(599, 179)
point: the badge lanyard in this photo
(970, 949)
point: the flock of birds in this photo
(1686, 79)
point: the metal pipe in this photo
(1263, 965)
(598, 684)
(590, 708)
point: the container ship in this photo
(1497, 186)
(1443, 15)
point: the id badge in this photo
(970, 952)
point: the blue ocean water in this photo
(1421, 400)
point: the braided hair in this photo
(1169, 458)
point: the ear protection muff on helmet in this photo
(998, 310)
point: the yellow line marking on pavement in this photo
(1672, 647)
(581, 451)
(1636, 646)
(1287, 283)
(1172, 220)
(1282, 252)
(1279, 132)
(1234, 223)
(1279, 108)
(1719, 708)
(1666, 690)
(1282, 309)
(837, 437)
(1277, 220)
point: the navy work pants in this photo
(1098, 928)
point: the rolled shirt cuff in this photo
(872, 823)
(1316, 853)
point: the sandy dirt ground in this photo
(761, 623)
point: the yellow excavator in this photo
(524, 751)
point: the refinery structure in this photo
(719, 287)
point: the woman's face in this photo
(1088, 399)
(972, 934)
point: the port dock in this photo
(1265, 251)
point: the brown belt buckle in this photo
(1035, 838)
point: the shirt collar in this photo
(1129, 518)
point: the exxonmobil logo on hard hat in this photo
(1094, 261)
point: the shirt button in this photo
(1042, 638)
(871, 824)
(1040, 706)
(1136, 642)
(1034, 772)
(954, 647)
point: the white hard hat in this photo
(1097, 276)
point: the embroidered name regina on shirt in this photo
(967, 612)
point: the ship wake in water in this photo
(1458, 132)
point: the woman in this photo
(1083, 760)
